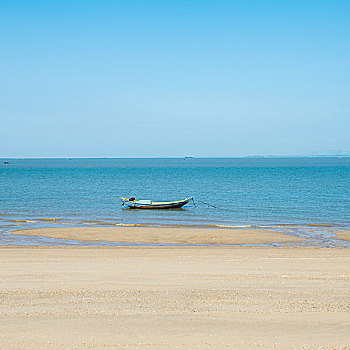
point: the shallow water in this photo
(261, 192)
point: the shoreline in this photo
(51, 231)
(204, 224)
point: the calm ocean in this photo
(247, 191)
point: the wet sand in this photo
(174, 298)
(162, 235)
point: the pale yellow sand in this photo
(345, 235)
(162, 235)
(174, 298)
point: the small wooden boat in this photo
(148, 204)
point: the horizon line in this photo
(193, 157)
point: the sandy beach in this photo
(174, 298)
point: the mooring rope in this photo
(211, 205)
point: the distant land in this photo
(324, 153)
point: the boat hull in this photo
(155, 205)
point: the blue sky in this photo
(164, 79)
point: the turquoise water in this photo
(262, 192)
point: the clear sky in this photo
(173, 78)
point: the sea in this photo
(305, 197)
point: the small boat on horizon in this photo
(132, 203)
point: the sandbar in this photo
(163, 235)
(171, 298)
